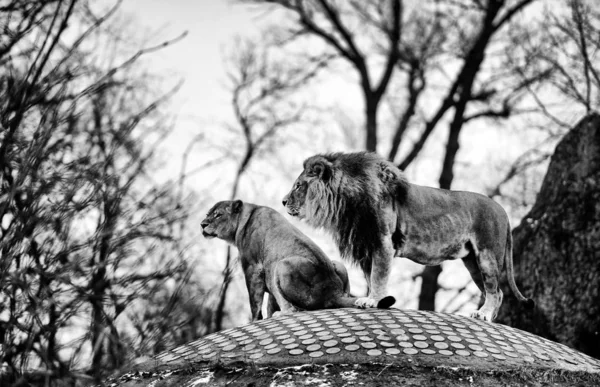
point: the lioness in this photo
(374, 214)
(279, 259)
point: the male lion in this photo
(374, 214)
(279, 259)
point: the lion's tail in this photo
(510, 273)
(350, 302)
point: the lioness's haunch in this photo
(279, 259)
(374, 214)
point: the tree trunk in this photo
(557, 245)
(447, 175)
(429, 287)
(371, 124)
(217, 324)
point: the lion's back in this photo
(488, 217)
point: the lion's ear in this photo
(236, 207)
(320, 169)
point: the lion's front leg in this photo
(378, 277)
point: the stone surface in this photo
(557, 247)
(356, 336)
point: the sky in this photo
(197, 59)
(210, 25)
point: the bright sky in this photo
(211, 25)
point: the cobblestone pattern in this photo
(364, 336)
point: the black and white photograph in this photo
(299, 193)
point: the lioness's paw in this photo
(482, 315)
(277, 314)
(366, 302)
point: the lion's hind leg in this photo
(472, 266)
(487, 281)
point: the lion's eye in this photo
(297, 185)
(217, 216)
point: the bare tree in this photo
(566, 43)
(562, 44)
(82, 220)
(340, 26)
(264, 106)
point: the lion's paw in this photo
(365, 302)
(482, 315)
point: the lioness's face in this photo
(222, 220)
(315, 168)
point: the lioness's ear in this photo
(320, 169)
(236, 206)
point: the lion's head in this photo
(222, 220)
(343, 192)
(314, 171)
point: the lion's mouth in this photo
(293, 211)
(208, 234)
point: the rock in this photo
(557, 247)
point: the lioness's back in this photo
(284, 236)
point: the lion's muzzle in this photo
(289, 206)
(206, 233)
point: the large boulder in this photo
(557, 247)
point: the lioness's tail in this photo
(510, 273)
(350, 302)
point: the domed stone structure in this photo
(355, 336)
(363, 336)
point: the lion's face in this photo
(222, 220)
(294, 201)
(315, 168)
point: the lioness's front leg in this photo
(379, 275)
(256, 289)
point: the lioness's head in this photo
(316, 168)
(222, 220)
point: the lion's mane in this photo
(347, 201)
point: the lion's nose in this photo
(204, 224)
(284, 201)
